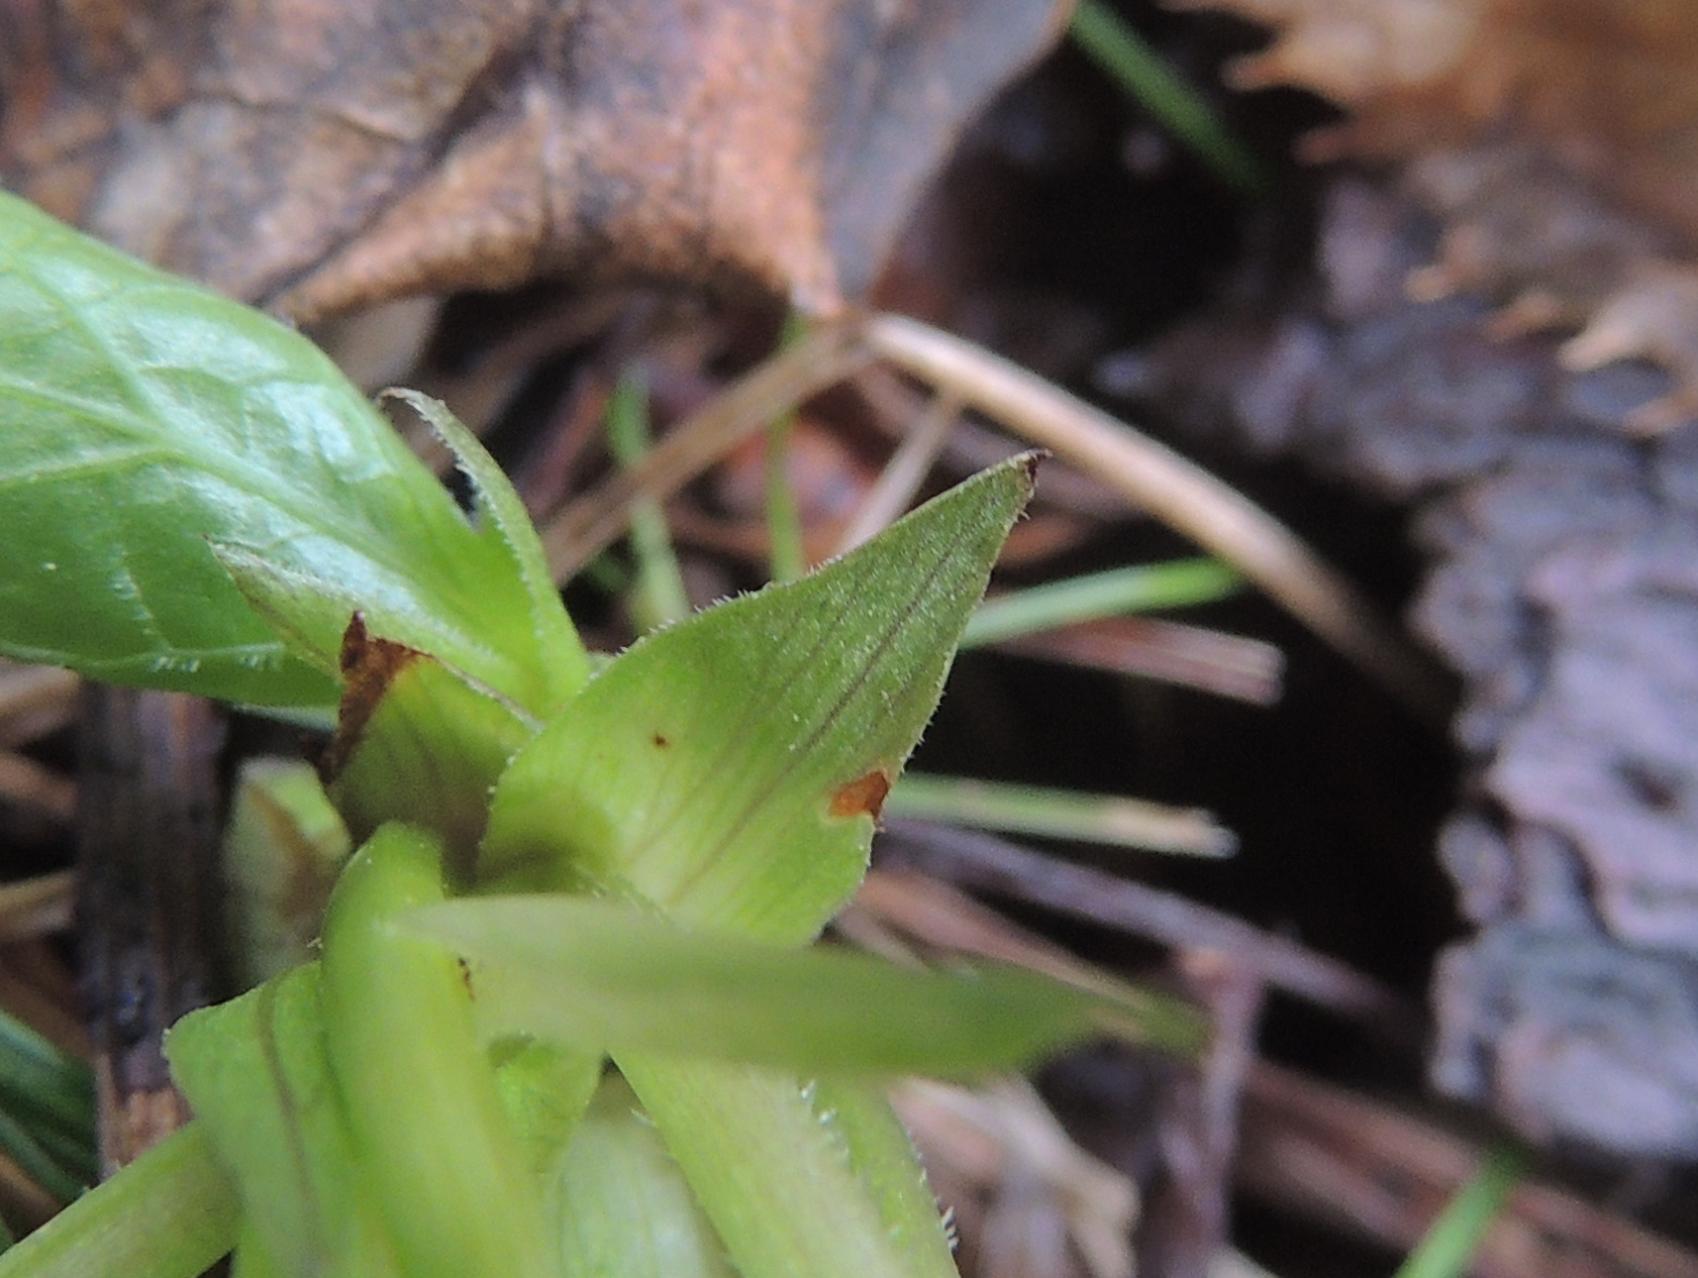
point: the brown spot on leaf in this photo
(369, 665)
(864, 794)
(662, 741)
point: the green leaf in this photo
(417, 742)
(729, 769)
(170, 1214)
(143, 420)
(558, 650)
(440, 1155)
(794, 1181)
(602, 975)
(624, 1208)
(283, 846)
(257, 1073)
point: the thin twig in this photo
(900, 481)
(1174, 490)
(588, 526)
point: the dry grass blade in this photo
(35, 907)
(983, 862)
(26, 782)
(1180, 494)
(900, 481)
(1384, 1174)
(1004, 1140)
(588, 526)
(1171, 651)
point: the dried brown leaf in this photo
(323, 155)
(1556, 139)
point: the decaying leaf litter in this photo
(1413, 323)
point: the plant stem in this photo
(444, 1166)
(169, 1214)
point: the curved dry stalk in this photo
(593, 522)
(1174, 490)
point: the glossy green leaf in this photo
(624, 1208)
(729, 769)
(603, 975)
(257, 1072)
(143, 420)
(793, 1182)
(170, 1214)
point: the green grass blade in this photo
(39, 1165)
(1060, 814)
(170, 1214)
(1183, 583)
(42, 1085)
(783, 517)
(1114, 45)
(658, 597)
(1450, 1246)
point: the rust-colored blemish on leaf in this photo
(864, 794)
(369, 666)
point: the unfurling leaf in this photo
(144, 422)
(415, 741)
(729, 770)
